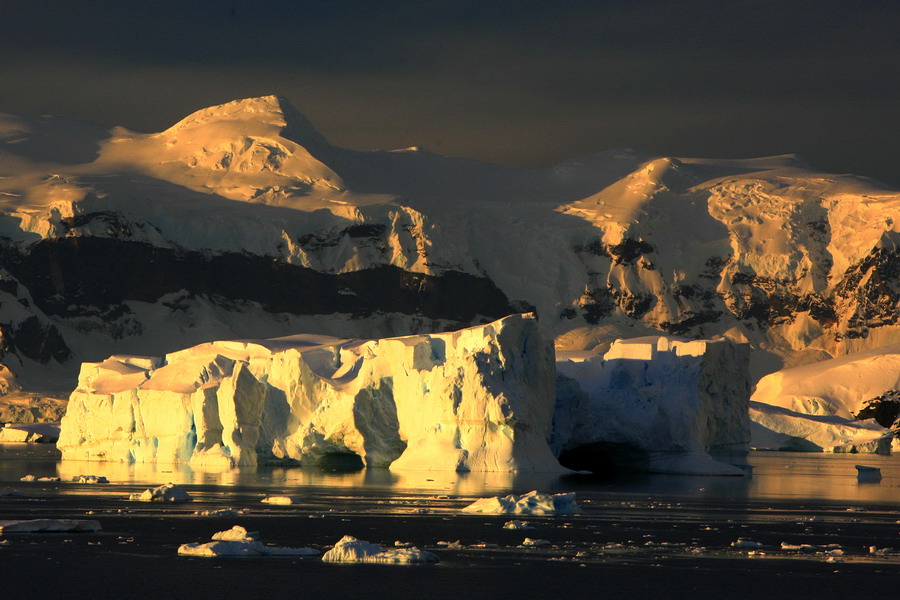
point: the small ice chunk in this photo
(535, 542)
(532, 503)
(746, 544)
(800, 547)
(28, 478)
(517, 525)
(89, 479)
(168, 492)
(282, 500)
(38, 525)
(866, 474)
(351, 550)
(48, 479)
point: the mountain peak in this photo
(272, 111)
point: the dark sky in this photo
(520, 83)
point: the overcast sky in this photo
(520, 83)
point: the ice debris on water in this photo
(535, 542)
(89, 479)
(168, 492)
(743, 543)
(238, 542)
(532, 503)
(42, 525)
(222, 512)
(516, 524)
(351, 550)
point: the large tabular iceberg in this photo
(655, 403)
(476, 399)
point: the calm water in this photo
(776, 476)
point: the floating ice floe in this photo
(89, 479)
(532, 503)
(351, 550)
(742, 543)
(29, 432)
(281, 500)
(222, 512)
(535, 542)
(168, 492)
(517, 525)
(238, 542)
(47, 525)
(36, 478)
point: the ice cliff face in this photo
(656, 403)
(485, 398)
(242, 221)
(476, 399)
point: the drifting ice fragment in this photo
(535, 542)
(517, 525)
(746, 544)
(168, 492)
(532, 503)
(89, 479)
(866, 474)
(351, 550)
(285, 500)
(40, 525)
(238, 542)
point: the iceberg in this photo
(477, 399)
(655, 403)
(238, 542)
(532, 503)
(351, 550)
(168, 492)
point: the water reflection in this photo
(776, 475)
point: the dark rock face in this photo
(74, 277)
(885, 409)
(866, 296)
(39, 341)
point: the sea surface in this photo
(799, 526)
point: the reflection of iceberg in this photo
(478, 399)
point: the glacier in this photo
(845, 404)
(476, 399)
(484, 398)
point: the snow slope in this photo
(843, 404)
(242, 221)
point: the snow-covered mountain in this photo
(242, 221)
